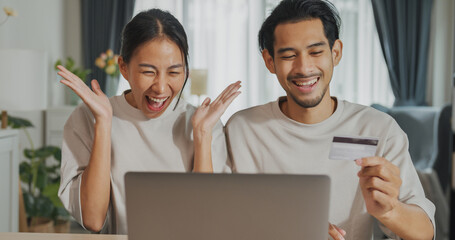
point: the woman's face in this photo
(156, 73)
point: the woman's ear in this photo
(123, 67)
(268, 60)
(337, 51)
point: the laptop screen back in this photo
(226, 206)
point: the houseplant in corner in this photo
(44, 209)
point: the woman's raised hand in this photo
(209, 113)
(96, 100)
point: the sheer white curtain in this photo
(362, 75)
(222, 37)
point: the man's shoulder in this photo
(251, 114)
(366, 113)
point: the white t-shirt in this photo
(163, 144)
(264, 140)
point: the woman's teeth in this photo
(307, 83)
(157, 100)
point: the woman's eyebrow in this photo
(176, 66)
(154, 67)
(147, 65)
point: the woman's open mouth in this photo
(156, 104)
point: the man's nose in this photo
(304, 64)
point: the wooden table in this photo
(59, 236)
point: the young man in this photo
(300, 44)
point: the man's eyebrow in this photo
(318, 44)
(282, 50)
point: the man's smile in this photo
(306, 85)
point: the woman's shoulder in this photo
(82, 111)
(81, 119)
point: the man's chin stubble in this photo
(310, 103)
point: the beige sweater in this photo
(163, 144)
(263, 140)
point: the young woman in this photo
(147, 128)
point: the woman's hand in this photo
(336, 233)
(203, 120)
(209, 113)
(96, 100)
(95, 183)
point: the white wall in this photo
(52, 26)
(38, 26)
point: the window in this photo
(223, 39)
(362, 75)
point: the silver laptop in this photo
(168, 206)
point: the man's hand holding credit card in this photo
(379, 179)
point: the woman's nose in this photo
(159, 84)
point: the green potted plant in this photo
(78, 71)
(45, 212)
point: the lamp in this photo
(198, 82)
(23, 75)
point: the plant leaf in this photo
(58, 154)
(25, 172)
(70, 64)
(16, 122)
(44, 206)
(58, 62)
(28, 153)
(55, 179)
(44, 152)
(41, 178)
(29, 203)
(53, 169)
(51, 192)
(62, 213)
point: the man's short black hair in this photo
(291, 11)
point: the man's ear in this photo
(337, 51)
(268, 60)
(123, 67)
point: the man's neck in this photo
(313, 115)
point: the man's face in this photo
(303, 61)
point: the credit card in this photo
(352, 148)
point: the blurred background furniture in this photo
(55, 121)
(9, 180)
(430, 146)
(23, 78)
